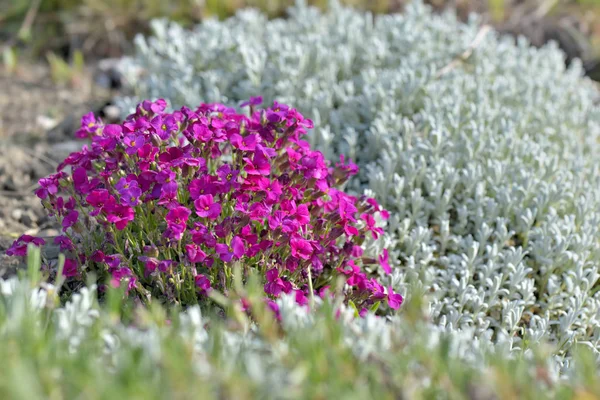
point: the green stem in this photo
(310, 287)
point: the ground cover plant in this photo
(117, 350)
(483, 149)
(166, 203)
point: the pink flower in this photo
(134, 143)
(384, 261)
(259, 164)
(70, 268)
(237, 246)
(301, 247)
(49, 185)
(88, 126)
(205, 185)
(120, 274)
(202, 283)
(120, 216)
(394, 300)
(301, 298)
(247, 143)
(99, 199)
(275, 308)
(194, 253)
(150, 265)
(177, 218)
(274, 285)
(370, 221)
(206, 207)
(112, 130)
(258, 192)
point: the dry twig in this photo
(464, 56)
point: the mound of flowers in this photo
(166, 203)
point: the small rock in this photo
(16, 214)
(45, 122)
(108, 75)
(49, 232)
(63, 149)
(28, 218)
(112, 113)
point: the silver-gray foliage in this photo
(82, 321)
(489, 168)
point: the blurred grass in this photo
(102, 28)
(39, 361)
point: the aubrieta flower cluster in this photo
(166, 203)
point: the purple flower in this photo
(203, 186)
(133, 143)
(254, 101)
(228, 178)
(150, 265)
(223, 252)
(202, 283)
(126, 183)
(165, 265)
(99, 198)
(119, 275)
(88, 126)
(80, 180)
(247, 143)
(48, 186)
(131, 197)
(19, 246)
(237, 245)
(371, 225)
(164, 126)
(155, 107)
(259, 164)
(301, 298)
(64, 242)
(70, 219)
(201, 132)
(259, 193)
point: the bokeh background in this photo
(57, 56)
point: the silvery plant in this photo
(82, 324)
(483, 148)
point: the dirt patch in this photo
(37, 126)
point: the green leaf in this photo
(375, 307)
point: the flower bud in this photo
(155, 140)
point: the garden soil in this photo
(37, 123)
